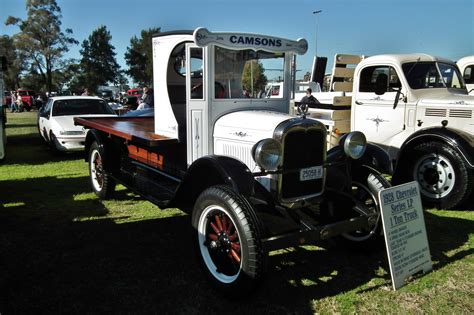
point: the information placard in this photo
(405, 232)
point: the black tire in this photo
(54, 143)
(366, 184)
(444, 178)
(102, 183)
(227, 241)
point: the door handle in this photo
(359, 102)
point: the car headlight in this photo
(71, 133)
(267, 153)
(354, 144)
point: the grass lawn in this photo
(64, 251)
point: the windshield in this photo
(245, 73)
(428, 75)
(81, 107)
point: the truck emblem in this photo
(377, 121)
(239, 134)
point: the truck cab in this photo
(253, 177)
(417, 109)
(466, 66)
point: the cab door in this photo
(197, 97)
(374, 113)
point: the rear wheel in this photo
(228, 240)
(102, 183)
(366, 184)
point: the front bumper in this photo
(68, 144)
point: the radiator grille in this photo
(302, 149)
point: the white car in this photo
(56, 120)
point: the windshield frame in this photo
(426, 81)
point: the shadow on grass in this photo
(30, 149)
(150, 267)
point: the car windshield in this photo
(81, 107)
(245, 73)
(428, 75)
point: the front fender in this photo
(209, 171)
(374, 156)
(459, 140)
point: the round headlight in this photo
(355, 144)
(267, 153)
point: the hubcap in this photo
(219, 243)
(435, 174)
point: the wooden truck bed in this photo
(134, 129)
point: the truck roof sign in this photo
(202, 37)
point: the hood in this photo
(67, 122)
(449, 99)
(248, 126)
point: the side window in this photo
(45, 110)
(469, 74)
(197, 65)
(379, 79)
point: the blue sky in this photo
(439, 27)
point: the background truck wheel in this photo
(228, 240)
(102, 184)
(442, 174)
(366, 184)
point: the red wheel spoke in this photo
(219, 223)
(235, 246)
(235, 256)
(224, 223)
(233, 237)
(229, 228)
(214, 227)
(212, 236)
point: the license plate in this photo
(311, 173)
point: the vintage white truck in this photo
(466, 66)
(417, 109)
(253, 177)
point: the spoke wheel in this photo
(366, 184)
(219, 243)
(228, 241)
(102, 183)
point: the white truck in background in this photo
(417, 108)
(466, 66)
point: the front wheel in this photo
(442, 173)
(228, 240)
(102, 183)
(366, 184)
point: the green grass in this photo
(64, 251)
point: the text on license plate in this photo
(311, 173)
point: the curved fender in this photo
(459, 140)
(374, 156)
(209, 171)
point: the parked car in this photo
(28, 97)
(56, 120)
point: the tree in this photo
(15, 65)
(139, 57)
(98, 63)
(254, 79)
(41, 39)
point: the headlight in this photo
(267, 153)
(71, 133)
(355, 144)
